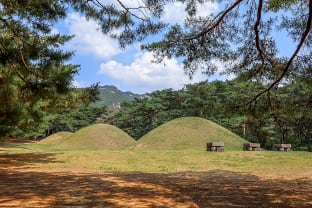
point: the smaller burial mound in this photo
(97, 137)
(189, 133)
(55, 138)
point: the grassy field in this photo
(102, 166)
(266, 164)
(36, 175)
(177, 146)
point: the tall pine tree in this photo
(34, 78)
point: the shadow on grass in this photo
(24, 160)
(38, 188)
(14, 143)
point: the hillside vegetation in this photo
(111, 95)
(283, 117)
(188, 133)
(56, 138)
(97, 137)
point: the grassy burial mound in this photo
(97, 137)
(189, 133)
(55, 138)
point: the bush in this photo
(302, 148)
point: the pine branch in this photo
(218, 22)
(256, 29)
(22, 57)
(291, 59)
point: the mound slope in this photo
(56, 138)
(97, 137)
(188, 133)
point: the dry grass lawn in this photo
(32, 175)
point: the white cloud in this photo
(139, 76)
(144, 76)
(80, 84)
(175, 12)
(54, 31)
(89, 39)
(220, 70)
(207, 8)
(127, 3)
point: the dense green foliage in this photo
(35, 81)
(283, 117)
(69, 120)
(34, 78)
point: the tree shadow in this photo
(26, 160)
(14, 143)
(36, 188)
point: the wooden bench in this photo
(282, 147)
(251, 147)
(215, 146)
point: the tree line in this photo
(282, 116)
(36, 76)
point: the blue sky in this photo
(130, 69)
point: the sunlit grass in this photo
(268, 164)
(262, 163)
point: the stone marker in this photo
(251, 147)
(282, 147)
(215, 146)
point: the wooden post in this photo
(244, 129)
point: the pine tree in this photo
(34, 78)
(242, 34)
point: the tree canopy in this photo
(242, 34)
(35, 76)
(287, 120)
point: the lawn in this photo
(268, 164)
(36, 175)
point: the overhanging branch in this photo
(291, 59)
(256, 29)
(217, 23)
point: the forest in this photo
(283, 117)
(269, 101)
(264, 46)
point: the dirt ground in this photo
(21, 185)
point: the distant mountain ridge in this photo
(111, 95)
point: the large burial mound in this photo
(189, 133)
(97, 137)
(55, 138)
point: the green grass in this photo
(97, 137)
(267, 164)
(55, 138)
(189, 133)
(176, 146)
